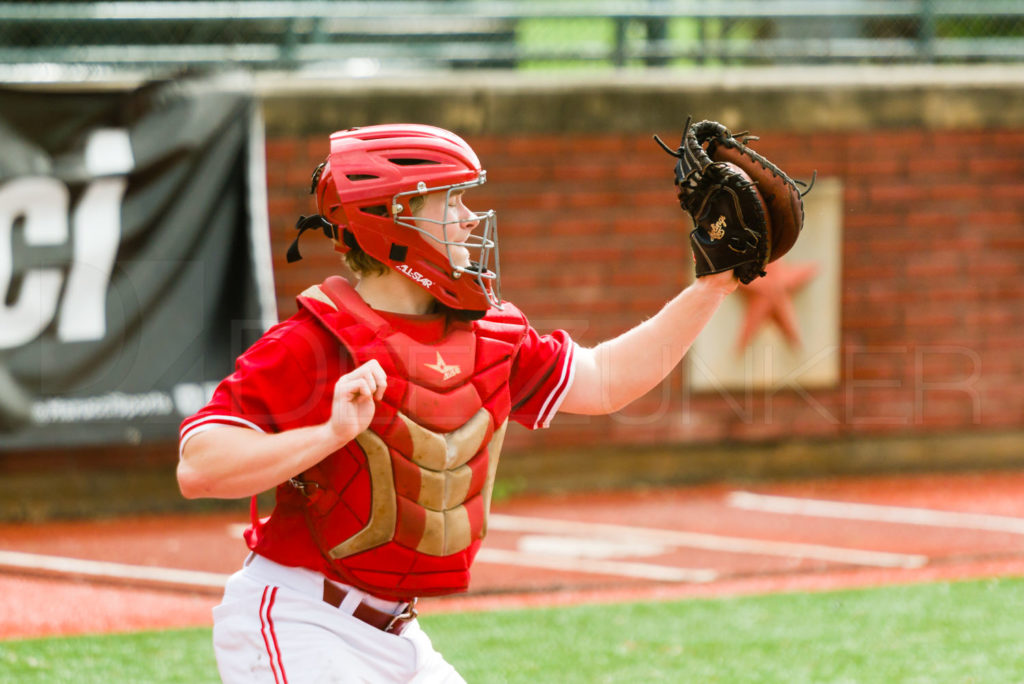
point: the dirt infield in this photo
(157, 572)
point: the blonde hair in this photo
(361, 263)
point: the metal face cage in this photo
(484, 265)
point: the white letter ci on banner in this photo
(95, 234)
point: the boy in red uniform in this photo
(378, 412)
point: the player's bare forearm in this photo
(621, 370)
(229, 462)
(234, 462)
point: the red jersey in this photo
(286, 380)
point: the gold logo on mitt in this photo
(717, 231)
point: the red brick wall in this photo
(592, 241)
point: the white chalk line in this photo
(17, 560)
(787, 505)
(650, 571)
(712, 542)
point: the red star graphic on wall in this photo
(770, 299)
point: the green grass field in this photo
(957, 632)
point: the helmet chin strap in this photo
(464, 315)
(308, 223)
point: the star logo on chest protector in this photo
(447, 371)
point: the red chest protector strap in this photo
(430, 379)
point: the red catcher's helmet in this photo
(363, 190)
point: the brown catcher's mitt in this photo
(746, 211)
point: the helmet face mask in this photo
(483, 267)
(365, 189)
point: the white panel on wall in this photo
(782, 330)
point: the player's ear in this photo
(416, 203)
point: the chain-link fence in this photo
(365, 38)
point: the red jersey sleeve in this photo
(541, 376)
(278, 383)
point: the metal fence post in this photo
(926, 32)
(619, 53)
(657, 32)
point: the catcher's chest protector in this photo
(402, 509)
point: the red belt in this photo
(386, 622)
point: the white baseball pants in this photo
(274, 627)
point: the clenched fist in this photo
(352, 407)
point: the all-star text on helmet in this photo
(363, 192)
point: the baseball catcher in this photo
(746, 211)
(377, 413)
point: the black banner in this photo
(134, 257)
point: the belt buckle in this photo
(398, 622)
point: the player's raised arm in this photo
(623, 369)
